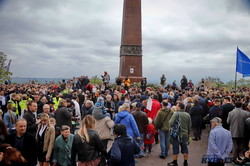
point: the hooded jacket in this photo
(124, 117)
(122, 151)
(103, 124)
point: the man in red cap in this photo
(106, 79)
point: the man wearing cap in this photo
(141, 120)
(219, 143)
(106, 79)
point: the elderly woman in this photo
(62, 148)
(126, 118)
(45, 137)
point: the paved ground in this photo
(196, 150)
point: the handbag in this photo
(160, 124)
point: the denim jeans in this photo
(141, 144)
(164, 142)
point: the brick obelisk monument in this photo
(131, 41)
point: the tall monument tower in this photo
(131, 41)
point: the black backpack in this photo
(175, 129)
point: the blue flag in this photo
(242, 64)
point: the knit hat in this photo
(98, 111)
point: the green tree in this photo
(4, 70)
(214, 82)
(95, 80)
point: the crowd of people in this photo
(72, 122)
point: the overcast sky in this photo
(69, 38)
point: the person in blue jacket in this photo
(123, 149)
(126, 118)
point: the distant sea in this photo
(20, 80)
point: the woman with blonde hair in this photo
(45, 137)
(87, 144)
(10, 118)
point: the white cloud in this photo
(72, 38)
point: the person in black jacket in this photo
(215, 111)
(29, 115)
(63, 115)
(226, 108)
(196, 116)
(87, 144)
(24, 142)
(123, 149)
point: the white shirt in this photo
(77, 109)
(43, 127)
(3, 100)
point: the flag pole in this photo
(235, 81)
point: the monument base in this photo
(133, 79)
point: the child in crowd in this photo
(149, 136)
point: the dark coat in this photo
(226, 108)
(39, 107)
(141, 120)
(31, 122)
(86, 151)
(203, 104)
(196, 115)
(183, 83)
(87, 110)
(63, 117)
(29, 150)
(214, 111)
(122, 151)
